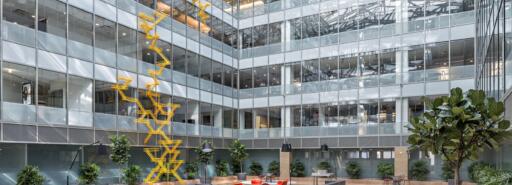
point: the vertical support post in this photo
(285, 159)
(401, 161)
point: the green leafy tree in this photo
(221, 168)
(120, 149)
(459, 126)
(255, 168)
(274, 168)
(191, 169)
(89, 173)
(324, 165)
(353, 170)
(131, 175)
(385, 170)
(238, 155)
(29, 175)
(298, 169)
(419, 170)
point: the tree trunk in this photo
(456, 175)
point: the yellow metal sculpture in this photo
(165, 156)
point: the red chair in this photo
(256, 182)
(282, 182)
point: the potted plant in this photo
(255, 169)
(191, 169)
(238, 155)
(419, 170)
(274, 168)
(297, 169)
(221, 168)
(29, 175)
(323, 167)
(89, 173)
(131, 175)
(458, 126)
(385, 170)
(120, 150)
(353, 170)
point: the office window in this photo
(348, 113)
(296, 115)
(80, 25)
(179, 59)
(164, 99)
(20, 12)
(246, 36)
(260, 77)
(274, 117)
(415, 9)
(347, 19)
(246, 118)
(387, 62)
(388, 12)
(180, 113)
(246, 78)
(227, 117)
(206, 68)
(310, 115)
(261, 118)
(127, 39)
(217, 72)
(143, 52)
(148, 3)
(274, 72)
(105, 34)
(310, 26)
(52, 15)
(369, 14)
(462, 52)
(416, 107)
(192, 64)
(166, 51)
(329, 68)
(369, 64)
(368, 111)
(415, 58)
(436, 55)
(192, 115)
(51, 90)
(105, 98)
(329, 23)
(228, 76)
(310, 71)
(330, 115)
(348, 66)
(462, 5)
(126, 108)
(274, 33)
(295, 29)
(18, 84)
(80, 94)
(387, 112)
(436, 7)
(206, 114)
(259, 35)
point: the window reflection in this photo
(51, 89)
(52, 15)
(20, 12)
(18, 84)
(105, 98)
(80, 25)
(105, 37)
(127, 39)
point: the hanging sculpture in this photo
(165, 156)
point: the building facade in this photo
(344, 73)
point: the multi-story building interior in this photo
(345, 73)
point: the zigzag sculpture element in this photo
(166, 159)
(165, 156)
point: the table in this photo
(317, 175)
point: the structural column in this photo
(401, 161)
(285, 159)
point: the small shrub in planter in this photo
(419, 170)
(120, 149)
(385, 170)
(221, 168)
(29, 175)
(474, 168)
(353, 170)
(191, 170)
(255, 168)
(131, 175)
(297, 169)
(324, 165)
(89, 173)
(447, 171)
(274, 168)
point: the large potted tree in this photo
(29, 175)
(238, 155)
(458, 127)
(120, 153)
